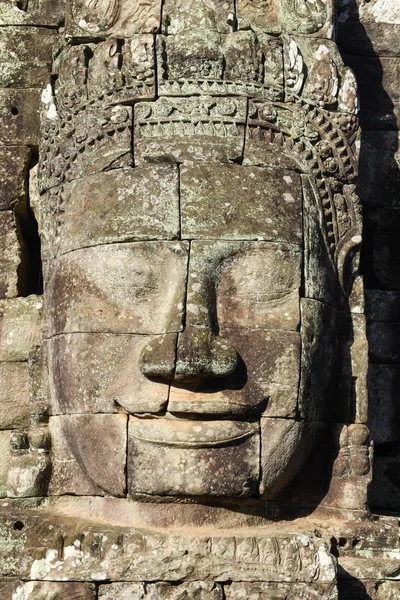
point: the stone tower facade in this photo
(183, 339)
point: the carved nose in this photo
(203, 355)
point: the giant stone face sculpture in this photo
(200, 232)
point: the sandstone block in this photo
(181, 14)
(327, 337)
(384, 345)
(280, 591)
(382, 305)
(124, 205)
(369, 29)
(384, 231)
(244, 284)
(384, 490)
(88, 454)
(280, 17)
(20, 327)
(36, 12)
(265, 380)
(19, 116)
(10, 255)
(100, 373)
(229, 201)
(119, 288)
(384, 415)
(47, 590)
(199, 60)
(85, 21)
(123, 71)
(285, 446)
(14, 395)
(193, 458)
(379, 94)
(5, 457)
(26, 56)
(194, 590)
(122, 591)
(203, 129)
(320, 279)
(138, 555)
(14, 161)
(379, 173)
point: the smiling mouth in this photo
(192, 434)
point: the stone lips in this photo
(189, 434)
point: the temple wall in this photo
(369, 41)
(368, 37)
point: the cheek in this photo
(272, 361)
(99, 373)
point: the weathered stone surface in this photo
(382, 305)
(259, 287)
(27, 56)
(47, 590)
(122, 591)
(384, 346)
(121, 71)
(36, 12)
(95, 141)
(320, 276)
(351, 471)
(229, 201)
(10, 255)
(195, 590)
(5, 452)
(124, 205)
(280, 591)
(379, 94)
(355, 589)
(216, 319)
(244, 284)
(120, 288)
(88, 454)
(279, 463)
(136, 555)
(179, 15)
(326, 340)
(121, 19)
(20, 327)
(370, 29)
(384, 491)
(266, 378)
(14, 162)
(14, 395)
(201, 61)
(383, 232)
(280, 16)
(30, 466)
(100, 373)
(19, 116)
(379, 178)
(203, 129)
(384, 416)
(196, 457)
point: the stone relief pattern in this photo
(85, 111)
(306, 108)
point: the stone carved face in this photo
(191, 320)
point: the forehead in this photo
(192, 201)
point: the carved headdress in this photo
(233, 86)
